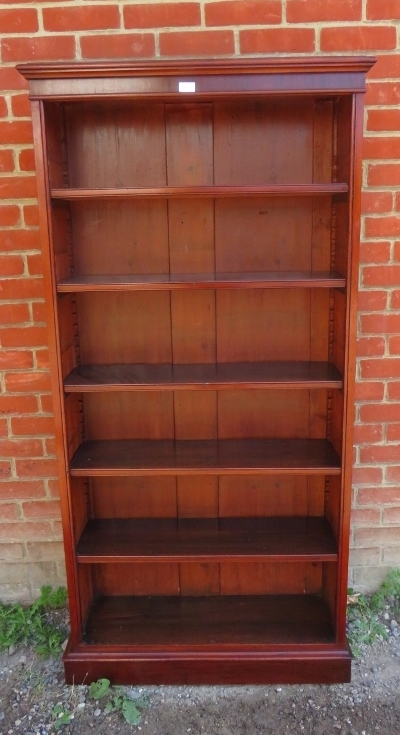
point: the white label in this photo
(187, 86)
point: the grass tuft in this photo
(28, 626)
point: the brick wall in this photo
(30, 539)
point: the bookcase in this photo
(200, 225)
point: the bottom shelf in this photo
(209, 640)
(209, 621)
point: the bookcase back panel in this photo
(120, 237)
(262, 578)
(201, 415)
(263, 142)
(125, 327)
(110, 145)
(211, 497)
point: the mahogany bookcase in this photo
(200, 226)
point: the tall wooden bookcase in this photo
(200, 224)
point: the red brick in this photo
(6, 160)
(21, 288)
(378, 496)
(13, 313)
(21, 490)
(381, 148)
(395, 300)
(11, 265)
(21, 448)
(41, 509)
(377, 201)
(282, 40)
(383, 120)
(310, 11)
(21, 20)
(36, 467)
(3, 107)
(39, 312)
(26, 382)
(11, 552)
(20, 105)
(369, 391)
(37, 48)
(391, 515)
(8, 512)
(11, 79)
(51, 447)
(365, 557)
(81, 18)
(358, 38)
(393, 432)
(23, 337)
(133, 45)
(381, 536)
(385, 412)
(23, 531)
(3, 427)
(365, 517)
(372, 300)
(380, 323)
(54, 488)
(394, 390)
(370, 346)
(9, 215)
(367, 475)
(381, 275)
(42, 359)
(15, 359)
(382, 93)
(18, 404)
(17, 187)
(397, 207)
(31, 215)
(374, 252)
(27, 160)
(365, 433)
(16, 131)
(386, 66)
(47, 403)
(381, 453)
(20, 239)
(5, 470)
(197, 43)
(384, 174)
(237, 12)
(32, 425)
(383, 368)
(162, 15)
(35, 262)
(382, 226)
(394, 345)
(387, 10)
(393, 474)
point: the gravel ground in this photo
(31, 688)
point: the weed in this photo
(27, 626)
(363, 615)
(118, 701)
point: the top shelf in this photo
(186, 192)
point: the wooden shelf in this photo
(209, 622)
(242, 375)
(207, 540)
(227, 456)
(213, 192)
(182, 281)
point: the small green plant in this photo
(27, 626)
(62, 716)
(363, 615)
(118, 701)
